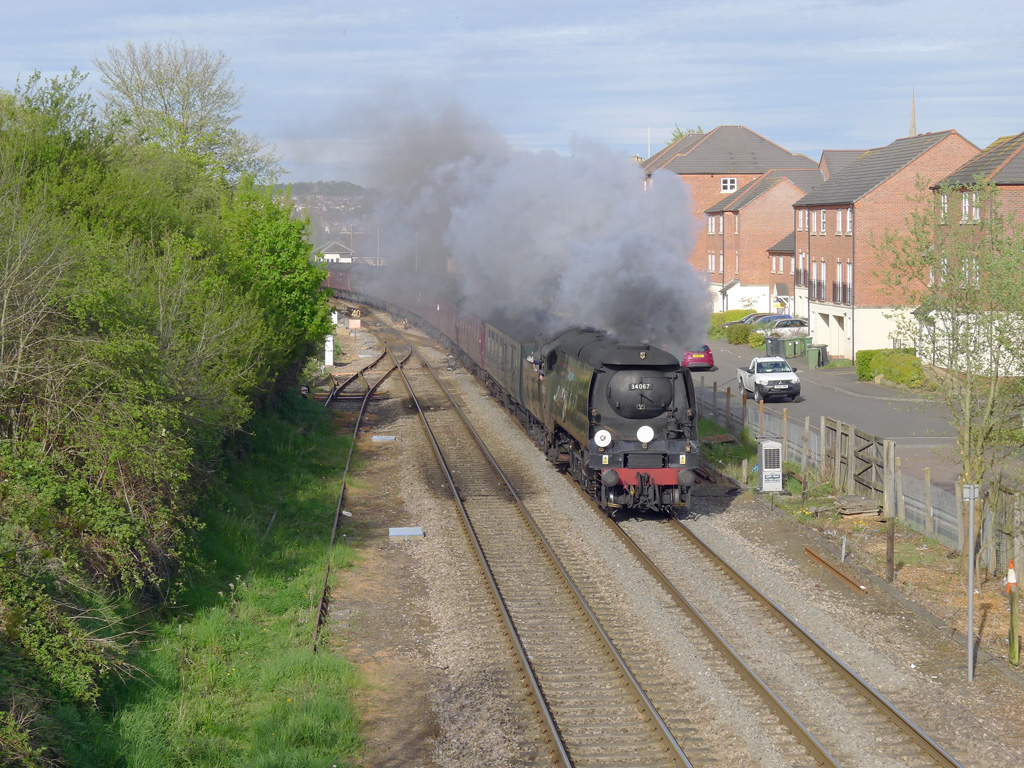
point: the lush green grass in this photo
(229, 679)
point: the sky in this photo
(807, 75)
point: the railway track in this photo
(333, 400)
(609, 694)
(841, 719)
(596, 712)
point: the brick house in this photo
(716, 165)
(1002, 163)
(840, 224)
(740, 230)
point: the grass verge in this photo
(229, 679)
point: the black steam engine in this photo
(620, 418)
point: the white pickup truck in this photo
(768, 377)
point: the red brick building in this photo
(1002, 163)
(839, 228)
(717, 165)
(740, 230)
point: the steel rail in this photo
(323, 603)
(893, 714)
(648, 705)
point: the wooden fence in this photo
(865, 465)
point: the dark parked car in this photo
(699, 358)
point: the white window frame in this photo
(773, 263)
(711, 225)
(711, 261)
(728, 184)
(849, 221)
(814, 222)
(975, 208)
(824, 229)
(965, 207)
(801, 218)
(737, 218)
(839, 222)
(792, 265)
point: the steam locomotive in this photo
(619, 418)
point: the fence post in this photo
(887, 482)
(785, 434)
(805, 439)
(851, 480)
(760, 426)
(901, 503)
(822, 459)
(929, 513)
(728, 408)
(836, 454)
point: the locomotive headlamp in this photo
(688, 448)
(603, 438)
(645, 434)
(686, 477)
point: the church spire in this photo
(913, 115)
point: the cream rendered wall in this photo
(753, 298)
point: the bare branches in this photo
(184, 99)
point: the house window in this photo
(965, 207)
(729, 185)
(975, 208)
(849, 221)
(737, 269)
(736, 218)
(814, 222)
(801, 217)
(839, 222)
(943, 208)
(711, 262)
(823, 223)
(773, 263)
(711, 225)
(721, 263)
(792, 265)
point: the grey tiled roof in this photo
(871, 169)
(726, 149)
(785, 245)
(1001, 162)
(804, 179)
(837, 159)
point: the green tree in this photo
(678, 133)
(271, 253)
(183, 98)
(953, 265)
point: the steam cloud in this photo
(534, 233)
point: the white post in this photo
(329, 349)
(970, 495)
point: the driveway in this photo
(921, 429)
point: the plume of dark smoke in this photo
(581, 238)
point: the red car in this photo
(699, 358)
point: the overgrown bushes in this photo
(900, 366)
(150, 308)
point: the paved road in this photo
(921, 429)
